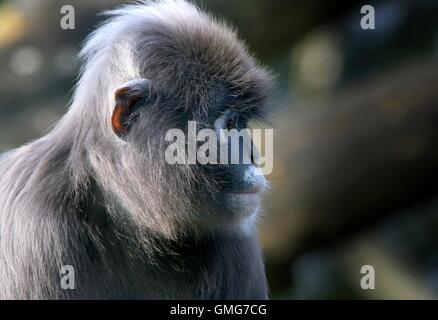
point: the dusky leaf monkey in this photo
(96, 194)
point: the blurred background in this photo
(355, 178)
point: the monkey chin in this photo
(242, 205)
(244, 202)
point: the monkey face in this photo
(241, 182)
(211, 162)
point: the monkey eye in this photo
(231, 122)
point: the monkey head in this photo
(188, 67)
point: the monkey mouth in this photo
(249, 185)
(243, 202)
(246, 197)
(250, 190)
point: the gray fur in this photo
(131, 225)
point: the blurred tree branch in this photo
(370, 153)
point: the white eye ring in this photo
(221, 124)
(232, 122)
(223, 121)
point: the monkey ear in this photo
(129, 98)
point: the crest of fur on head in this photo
(188, 55)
